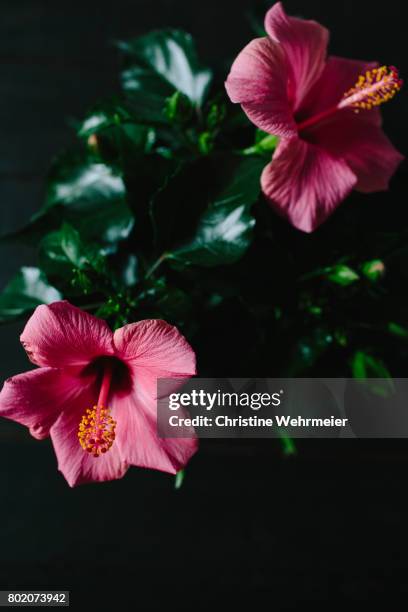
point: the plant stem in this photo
(156, 264)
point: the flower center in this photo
(372, 88)
(96, 432)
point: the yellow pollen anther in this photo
(96, 432)
(373, 88)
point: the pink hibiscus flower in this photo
(323, 110)
(94, 392)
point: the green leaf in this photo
(224, 230)
(216, 114)
(179, 478)
(52, 258)
(205, 143)
(123, 145)
(88, 195)
(178, 108)
(203, 216)
(126, 269)
(342, 275)
(74, 266)
(171, 303)
(157, 65)
(27, 290)
(102, 116)
(367, 367)
(397, 330)
(113, 135)
(288, 445)
(83, 185)
(265, 144)
(64, 249)
(72, 247)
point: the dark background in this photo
(327, 524)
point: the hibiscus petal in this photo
(305, 45)
(62, 335)
(152, 349)
(137, 438)
(364, 146)
(258, 80)
(305, 183)
(35, 399)
(338, 77)
(157, 346)
(78, 466)
(374, 160)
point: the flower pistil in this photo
(372, 88)
(96, 431)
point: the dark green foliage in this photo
(28, 289)
(158, 213)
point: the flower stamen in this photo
(372, 89)
(96, 432)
